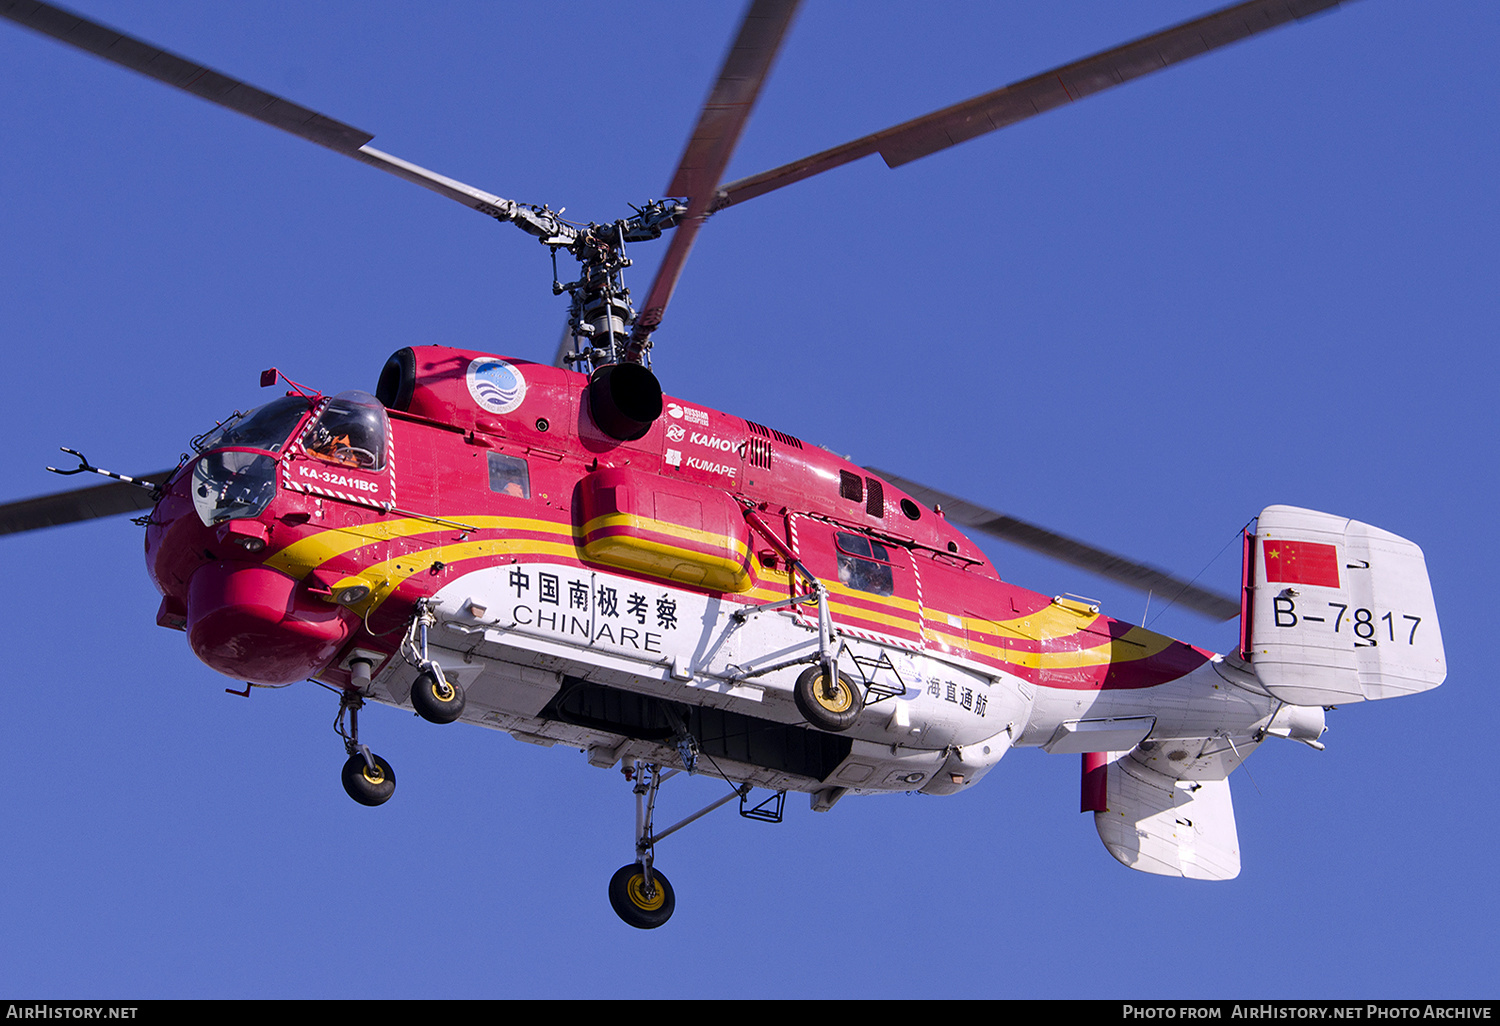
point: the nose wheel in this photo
(367, 778)
(433, 696)
(435, 699)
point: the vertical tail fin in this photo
(1339, 611)
(1157, 824)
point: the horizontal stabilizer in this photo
(1156, 824)
(1340, 611)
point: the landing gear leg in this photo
(433, 696)
(826, 697)
(367, 777)
(639, 893)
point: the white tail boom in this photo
(1336, 611)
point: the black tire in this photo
(628, 897)
(427, 698)
(836, 712)
(367, 786)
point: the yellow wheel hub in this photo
(841, 700)
(636, 888)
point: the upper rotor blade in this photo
(713, 140)
(1087, 557)
(106, 500)
(219, 88)
(175, 71)
(1020, 100)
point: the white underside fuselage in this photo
(557, 654)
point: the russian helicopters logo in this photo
(687, 413)
(495, 385)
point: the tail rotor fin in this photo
(1339, 611)
(1162, 824)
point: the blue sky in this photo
(1265, 276)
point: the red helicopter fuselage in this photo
(343, 545)
(472, 543)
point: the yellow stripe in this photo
(307, 554)
(640, 523)
(1054, 621)
(722, 568)
(1144, 644)
(387, 576)
(662, 561)
(860, 613)
(906, 605)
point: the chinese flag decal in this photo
(1301, 562)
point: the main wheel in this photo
(369, 785)
(833, 708)
(632, 902)
(436, 701)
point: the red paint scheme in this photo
(259, 624)
(256, 622)
(1093, 793)
(1247, 590)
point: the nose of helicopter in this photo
(253, 622)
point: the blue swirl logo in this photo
(495, 385)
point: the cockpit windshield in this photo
(266, 427)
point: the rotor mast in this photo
(600, 316)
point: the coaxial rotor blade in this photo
(1016, 102)
(106, 500)
(216, 87)
(1068, 550)
(713, 141)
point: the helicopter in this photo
(839, 611)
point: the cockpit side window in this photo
(351, 431)
(509, 475)
(864, 564)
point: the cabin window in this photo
(509, 475)
(864, 564)
(351, 431)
